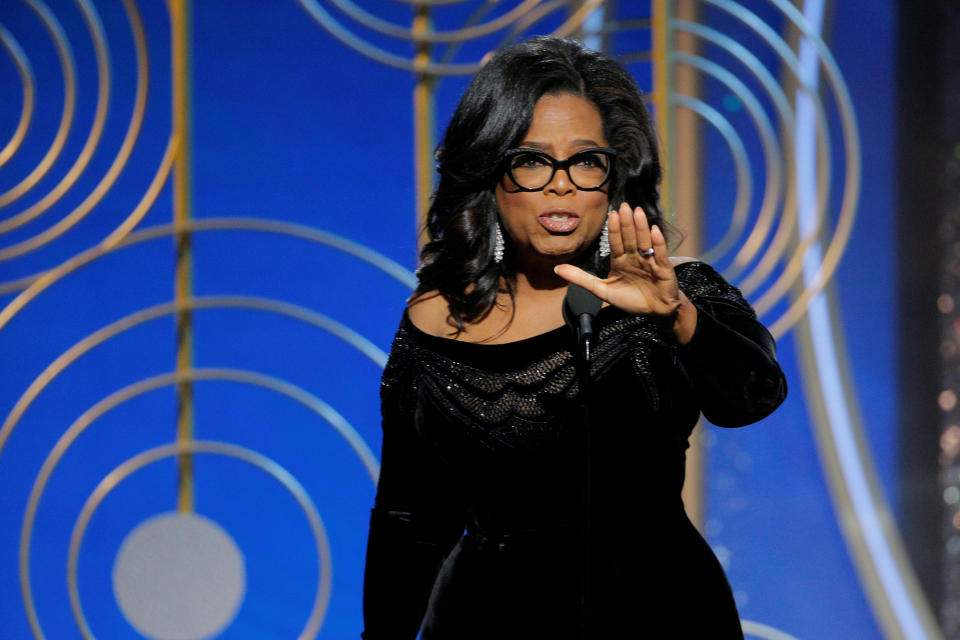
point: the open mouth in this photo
(559, 221)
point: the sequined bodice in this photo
(504, 386)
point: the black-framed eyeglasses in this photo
(532, 170)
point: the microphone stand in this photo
(586, 392)
(579, 308)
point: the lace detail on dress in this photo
(507, 407)
(488, 398)
(521, 405)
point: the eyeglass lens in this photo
(587, 169)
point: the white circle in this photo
(179, 577)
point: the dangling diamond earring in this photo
(605, 239)
(498, 244)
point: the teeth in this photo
(558, 216)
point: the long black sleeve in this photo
(417, 516)
(730, 360)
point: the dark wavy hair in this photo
(493, 116)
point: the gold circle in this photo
(86, 153)
(29, 94)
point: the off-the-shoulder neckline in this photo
(425, 337)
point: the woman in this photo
(549, 174)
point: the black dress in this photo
(478, 530)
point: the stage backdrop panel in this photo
(208, 230)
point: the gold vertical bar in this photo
(182, 201)
(423, 122)
(680, 190)
(686, 136)
(687, 183)
(662, 87)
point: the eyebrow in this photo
(575, 143)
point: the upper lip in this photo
(569, 212)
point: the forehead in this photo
(565, 120)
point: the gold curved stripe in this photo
(279, 473)
(430, 36)
(92, 19)
(83, 159)
(851, 190)
(845, 220)
(69, 103)
(572, 23)
(29, 91)
(793, 270)
(794, 267)
(137, 318)
(138, 213)
(118, 164)
(765, 221)
(828, 266)
(772, 153)
(785, 232)
(741, 161)
(778, 248)
(530, 18)
(761, 229)
(839, 486)
(149, 196)
(787, 229)
(52, 276)
(913, 617)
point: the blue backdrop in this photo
(291, 125)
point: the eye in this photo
(528, 161)
(591, 160)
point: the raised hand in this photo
(641, 280)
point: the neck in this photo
(539, 278)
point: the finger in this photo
(628, 230)
(643, 230)
(588, 281)
(616, 240)
(660, 252)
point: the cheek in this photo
(600, 204)
(515, 206)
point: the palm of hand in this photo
(638, 283)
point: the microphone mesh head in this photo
(580, 301)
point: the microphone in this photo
(580, 307)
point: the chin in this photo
(562, 254)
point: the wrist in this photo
(684, 320)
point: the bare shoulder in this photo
(675, 260)
(428, 312)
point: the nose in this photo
(560, 184)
